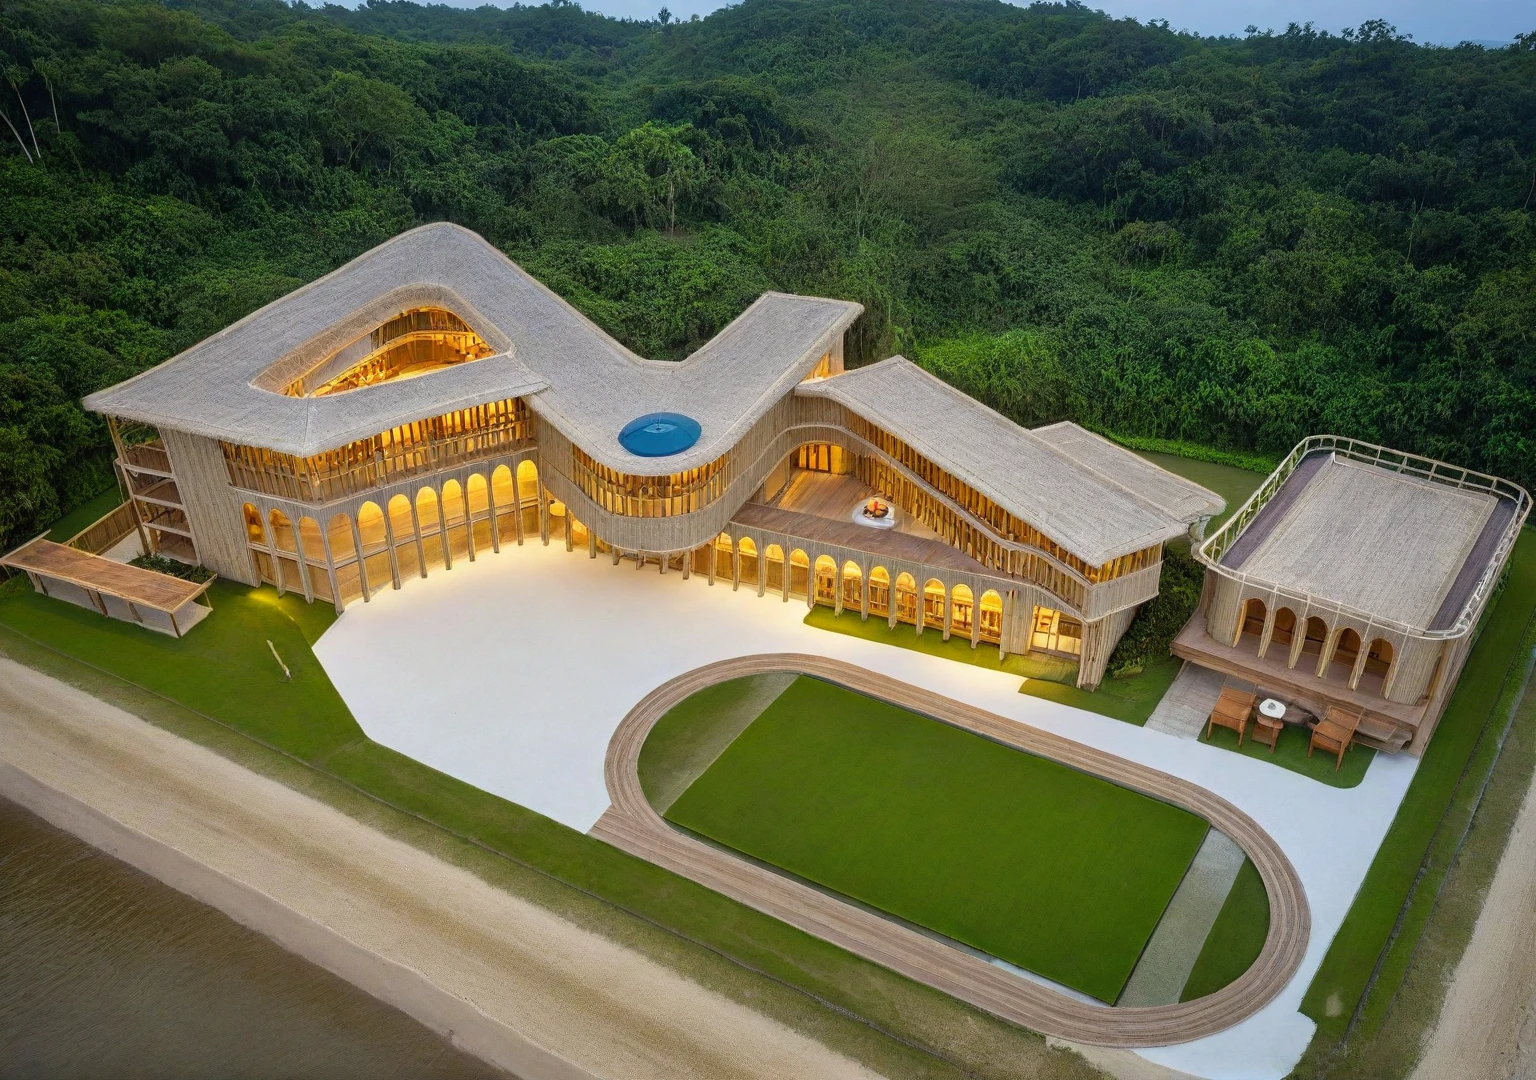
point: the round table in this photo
(1269, 721)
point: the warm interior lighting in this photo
(412, 343)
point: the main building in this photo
(430, 402)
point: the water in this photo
(106, 972)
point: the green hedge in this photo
(1251, 462)
(1157, 623)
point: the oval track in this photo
(631, 824)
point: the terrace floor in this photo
(512, 673)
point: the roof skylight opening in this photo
(413, 343)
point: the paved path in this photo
(1487, 1026)
(1175, 944)
(632, 824)
(506, 980)
(1187, 703)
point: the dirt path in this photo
(1487, 1026)
(505, 979)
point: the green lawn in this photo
(87, 513)
(1291, 753)
(1130, 699)
(1438, 793)
(1235, 940)
(696, 731)
(931, 641)
(1043, 866)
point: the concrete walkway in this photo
(1175, 945)
(513, 672)
(1187, 703)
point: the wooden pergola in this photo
(115, 589)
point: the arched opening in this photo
(722, 556)
(906, 598)
(933, 603)
(992, 617)
(1284, 633)
(256, 539)
(477, 494)
(1378, 665)
(826, 580)
(403, 526)
(344, 557)
(773, 567)
(1250, 628)
(312, 542)
(428, 519)
(1316, 636)
(853, 586)
(747, 560)
(962, 610)
(289, 574)
(528, 495)
(370, 529)
(504, 492)
(1057, 632)
(880, 592)
(455, 519)
(799, 574)
(1346, 650)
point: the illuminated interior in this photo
(412, 343)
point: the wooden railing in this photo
(151, 456)
(106, 531)
(1423, 468)
(651, 496)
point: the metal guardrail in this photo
(1423, 468)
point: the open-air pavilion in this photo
(157, 601)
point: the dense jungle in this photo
(1228, 243)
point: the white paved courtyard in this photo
(512, 672)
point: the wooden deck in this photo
(833, 496)
(886, 543)
(1387, 724)
(630, 823)
(116, 590)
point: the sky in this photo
(1434, 22)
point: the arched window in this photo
(528, 481)
(428, 520)
(282, 532)
(1316, 637)
(853, 586)
(255, 531)
(478, 497)
(992, 617)
(342, 547)
(905, 598)
(290, 575)
(1252, 623)
(370, 527)
(403, 525)
(933, 603)
(1284, 633)
(962, 610)
(879, 592)
(256, 537)
(746, 555)
(773, 567)
(826, 580)
(1378, 665)
(799, 573)
(1346, 650)
(455, 519)
(310, 540)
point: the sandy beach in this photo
(506, 980)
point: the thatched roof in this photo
(1394, 546)
(1096, 499)
(572, 373)
(162, 592)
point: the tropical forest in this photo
(1210, 245)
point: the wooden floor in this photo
(833, 496)
(631, 824)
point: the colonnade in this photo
(1335, 653)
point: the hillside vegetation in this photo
(1230, 242)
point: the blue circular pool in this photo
(659, 434)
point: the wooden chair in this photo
(1335, 732)
(1233, 708)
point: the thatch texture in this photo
(1097, 500)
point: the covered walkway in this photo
(118, 591)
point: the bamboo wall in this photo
(212, 507)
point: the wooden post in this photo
(687, 563)
(949, 611)
(591, 544)
(543, 515)
(442, 530)
(302, 560)
(330, 569)
(389, 542)
(517, 495)
(714, 555)
(421, 548)
(362, 561)
(569, 542)
(490, 502)
(174, 628)
(864, 592)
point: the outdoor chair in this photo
(1233, 708)
(1335, 732)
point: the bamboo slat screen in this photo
(651, 496)
(419, 447)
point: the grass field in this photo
(1034, 666)
(1400, 889)
(1131, 699)
(1291, 753)
(1043, 866)
(87, 513)
(1236, 938)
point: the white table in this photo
(1272, 708)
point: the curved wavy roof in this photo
(573, 374)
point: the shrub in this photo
(1151, 633)
(174, 567)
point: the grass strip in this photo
(1130, 699)
(1291, 753)
(1381, 921)
(1236, 938)
(301, 734)
(931, 641)
(86, 514)
(1052, 869)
